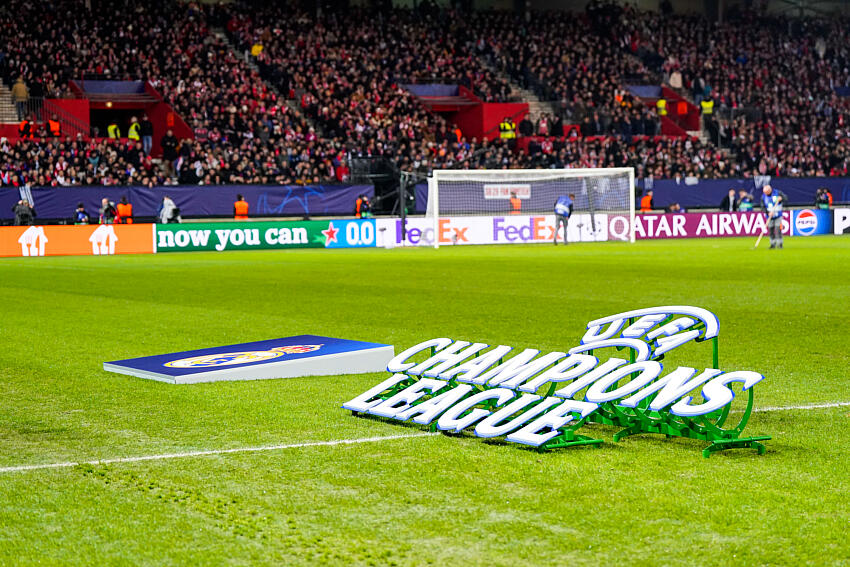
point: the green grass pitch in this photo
(425, 500)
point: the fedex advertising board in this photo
(509, 229)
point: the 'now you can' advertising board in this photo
(223, 236)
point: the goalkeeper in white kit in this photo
(563, 210)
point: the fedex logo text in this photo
(535, 229)
(447, 232)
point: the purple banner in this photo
(433, 89)
(709, 193)
(194, 200)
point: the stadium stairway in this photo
(293, 104)
(8, 114)
(536, 107)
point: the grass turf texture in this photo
(427, 500)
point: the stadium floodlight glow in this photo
(494, 192)
(542, 400)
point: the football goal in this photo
(496, 192)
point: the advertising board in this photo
(509, 229)
(71, 240)
(842, 221)
(222, 236)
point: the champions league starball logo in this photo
(542, 400)
(246, 357)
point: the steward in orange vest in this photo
(240, 208)
(54, 127)
(646, 204)
(125, 211)
(516, 204)
(26, 128)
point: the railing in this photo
(369, 169)
(120, 97)
(749, 113)
(429, 80)
(109, 77)
(71, 125)
(514, 118)
(721, 126)
(41, 110)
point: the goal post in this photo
(497, 192)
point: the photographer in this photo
(24, 213)
(822, 198)
(80, 215)
(107, 211)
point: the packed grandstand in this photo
(277, 95)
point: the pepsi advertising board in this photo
(808, 222)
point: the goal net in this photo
(597, 192)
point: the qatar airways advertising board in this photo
(806, 222)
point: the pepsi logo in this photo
(806, 222)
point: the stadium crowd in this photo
(346, 75)
(772, 78)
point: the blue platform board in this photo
(288, 357)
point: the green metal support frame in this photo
(709, 427)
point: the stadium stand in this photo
(276, 96)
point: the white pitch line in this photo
(212, 452)
(22, 468)
(809, 407)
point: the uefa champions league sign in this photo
(542, 400)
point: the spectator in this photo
(169, 152)
(20, 95)
(729, 202)
(146, 131)
(526, 126)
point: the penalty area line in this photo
(188, 454)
